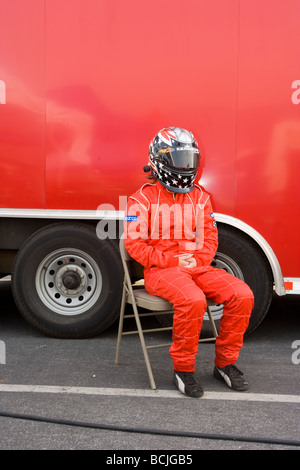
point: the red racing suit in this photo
(160, 225)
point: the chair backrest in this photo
(135, 269)
(124, 253)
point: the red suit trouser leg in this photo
(187, 290)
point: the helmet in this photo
(174, 159)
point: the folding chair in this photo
(138, 297)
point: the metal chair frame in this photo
(138, 297)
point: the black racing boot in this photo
(232, 376)
(187, 384)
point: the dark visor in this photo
(182, 158)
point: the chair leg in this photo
(141, 336)
(121, 322)
(212, 322)
(144, 347)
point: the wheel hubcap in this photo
(71, 280)
(68, 281)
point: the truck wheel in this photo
(67, 282)
(240, 256)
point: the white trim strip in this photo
(147, 393)
(62, 214)
(292, 285)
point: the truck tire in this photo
(67, 282)
(240, 256)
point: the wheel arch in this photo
(244, 228)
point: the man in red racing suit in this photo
(173, 234)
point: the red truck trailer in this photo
(86, 84)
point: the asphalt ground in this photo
(68, 395)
